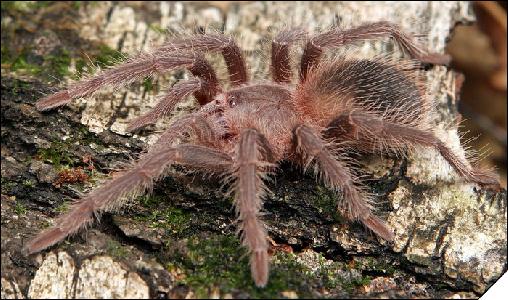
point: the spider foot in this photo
(259, 267)
(487, 180)
(379, 227)
(436, 59)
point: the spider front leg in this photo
(138, 67)
(372, 133)
(168, 102)
(249, 189)
(129, 183)
(134, 181)
(337, 176)
(205, 86)
(336, 38)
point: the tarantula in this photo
(368, 105)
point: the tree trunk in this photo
(450, 236)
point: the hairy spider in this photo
(370, 106)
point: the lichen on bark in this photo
(179, 241)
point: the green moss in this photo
(76, 4)
(211, 261)
(7, 185)
(151, 201)
(108, 56)
(20, 208)
(59, 63)
(21, 62)
(330, 280)
(160, 214)
(6, 54)
(174, 220)
(101, 58)
(58, 154)
(326, 201)
(24, 60)
(52, 66)
(19, 86)
(362, 281)
(390, 270)
(62, 208)
(156, 28)
(218, 261)
(350, 286)
(24, 6)
(8, 6)
(374, 264)
(28, 183)
(85, 137)
(148, 84)
(115, 249)
(56, 65)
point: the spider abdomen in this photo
(379, 87)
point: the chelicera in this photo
(335, 105)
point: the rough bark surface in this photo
(450, 236)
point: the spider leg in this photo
(248, 169)
(200, 129)
(127, 184)
(371, 133)
(337, 176)
(336, 37)
(140, 66)
(281, 67)
(168, 102)
(131, 182)
(232, 54)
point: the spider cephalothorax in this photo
(375, 105)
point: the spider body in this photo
(271, 104)
(372, 106)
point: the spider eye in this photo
(232, 102)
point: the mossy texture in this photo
(208, 262)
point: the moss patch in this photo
(23, 54)
(326, 201)
(50, 67)
(29, 183)
(19, 86)
(24, 6)
(63, 208)
(174, 220)
(379, 265)
(115, 249)
(20, 209)
(58, 155)
(208, 263)
(160, 214)
(219, 262)
(148, 84)
(7, 185)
